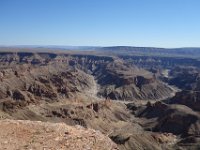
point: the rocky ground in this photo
(36, 135)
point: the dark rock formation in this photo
(176, 119)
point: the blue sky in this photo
(158, 23)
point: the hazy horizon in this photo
(63, 46)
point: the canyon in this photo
(134, 101)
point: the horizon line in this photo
(92, 46)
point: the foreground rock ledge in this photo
(20, 135)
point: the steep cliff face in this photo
(188, 80)
(176, 119)
(188, 98)
(120, 80)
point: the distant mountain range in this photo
(153, 51)
(64, 47)
(191, 52)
